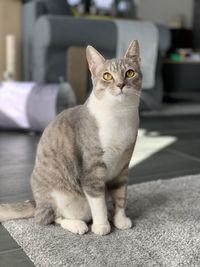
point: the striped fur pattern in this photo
(17, 210)
(84, 153)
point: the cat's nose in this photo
(121, 85)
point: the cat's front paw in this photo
(101, 229)
(74, 226)
(122, 222)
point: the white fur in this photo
(98, 206)
(72, 207)
(117, 118)
(74, 226)
(98, 209)
(121, 221)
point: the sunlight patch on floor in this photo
(149, 143)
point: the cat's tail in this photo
(17, 211)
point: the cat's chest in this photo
(116, 135)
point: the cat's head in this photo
(116, 79)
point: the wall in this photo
(162, 11)
(10, 23)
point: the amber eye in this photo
(130, 73)
(107, 76)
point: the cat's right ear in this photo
(94, 58)
(133, 52)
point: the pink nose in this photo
(120, 85)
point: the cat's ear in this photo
(94, 58)
(133, 52)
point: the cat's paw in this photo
(101, 229)
(58, 220)
(122, 222)
(74, 226)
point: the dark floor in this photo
(17, 152)
(179, 159)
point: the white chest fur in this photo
(118, 125)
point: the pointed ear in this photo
(94, 58)
(133, 52)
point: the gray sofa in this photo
(46, 46)
(31, 11)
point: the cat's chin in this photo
(126, 99)
(121, 97)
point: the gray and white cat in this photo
(84, 153)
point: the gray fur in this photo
(60, 163)
(70, 157)
(17, 210)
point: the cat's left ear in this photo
(94, 58)
(133, 52)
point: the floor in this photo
(181, 156)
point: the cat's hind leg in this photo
(44, 213)
(74, 212)
(72, 225)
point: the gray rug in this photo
(166, 215)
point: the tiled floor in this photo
(180, 158)
(17, 151)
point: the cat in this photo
(84, 153)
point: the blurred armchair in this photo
(31, 11)
(49, 36)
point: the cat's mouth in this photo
(120, 93)
(120, 96)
